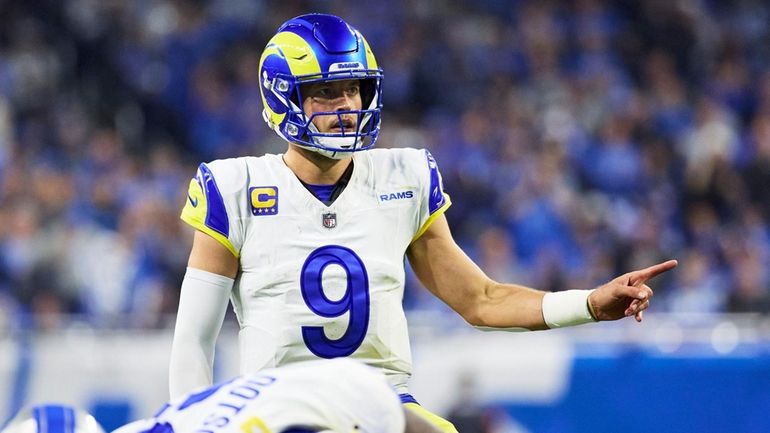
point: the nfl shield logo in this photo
(329, 220)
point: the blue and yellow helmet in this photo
(312, 48)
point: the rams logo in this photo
(264, 200)
(396, 196)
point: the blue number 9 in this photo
(355, 300)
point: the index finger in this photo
(645, 274)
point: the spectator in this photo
(636, 129)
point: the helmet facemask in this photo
(300, 129)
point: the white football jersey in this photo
(339, 395)
(320, 281)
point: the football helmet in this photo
(314, 48)
(52, 418)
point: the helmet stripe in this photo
(303, 60)
(54, 419)
(370, 60)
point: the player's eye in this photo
(322, 92)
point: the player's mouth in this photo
(346, 126)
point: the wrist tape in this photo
(567, 308)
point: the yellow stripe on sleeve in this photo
(440, 211)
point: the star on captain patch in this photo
(329, 220)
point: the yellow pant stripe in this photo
(434, 419)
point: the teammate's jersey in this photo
(317, 280)
(339, 395)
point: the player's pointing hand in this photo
(626, 295)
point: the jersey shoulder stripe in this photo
(436, 196)
(206, 209)
(438, 200)
(216, 215)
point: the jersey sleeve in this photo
(433, 200)
(213, 203)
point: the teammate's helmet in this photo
(312, 48)
(52, 418)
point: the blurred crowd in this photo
(578, 140)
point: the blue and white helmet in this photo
(312, 48)
(52, 418)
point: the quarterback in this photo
(309, 245)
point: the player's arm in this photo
(208, 254)
(202, 305)
(453, 277)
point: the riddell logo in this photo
(345, 66)
(396, 195)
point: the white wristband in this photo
(567, 308)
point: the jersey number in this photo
(355, 301)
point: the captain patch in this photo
(264, 200)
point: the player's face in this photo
(333, 96)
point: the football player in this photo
(52, 418)
(309, 245)
(337, 395)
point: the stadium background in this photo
(577, 139)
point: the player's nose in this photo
(344, 103)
